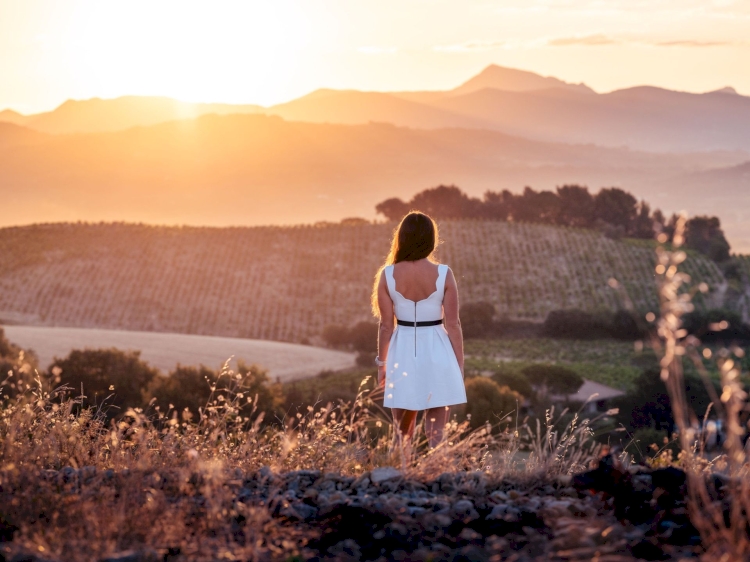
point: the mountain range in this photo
(336, 153)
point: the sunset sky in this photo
(272, 51)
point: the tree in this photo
(576, 206)
(497, 206)
(446, 202)
(533, 206)
(705, 235)
(643, 224)
(486, 401)
(105, 372)
(553, 378)
(393, 209)
(616, 207)
(477, 319)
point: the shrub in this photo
(624, 326)
(186, 388)
(646, 442)
(487, 401)
(477, 319)
(707, 325)
(515, 381)
(361, 337)
(553, 378)
(105, 372)
(574, 324)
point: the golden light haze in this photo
(269, 52)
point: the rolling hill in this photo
(288, 283)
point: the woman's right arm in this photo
(387, 324)
(452, 321)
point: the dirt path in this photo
(284, 360)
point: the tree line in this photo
(612, 210)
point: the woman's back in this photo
(416, 280)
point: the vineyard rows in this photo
(287, 283)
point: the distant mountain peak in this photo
(515, 80)
(726, 90)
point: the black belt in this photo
(419, 324)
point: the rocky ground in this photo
(608, 514)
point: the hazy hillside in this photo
(643, 118)
(252, 169)
(287, 283)
(99, 115)
(508, 100)
(352, 107)
(15, 135)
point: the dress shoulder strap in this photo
(442, 274)
(390, 281)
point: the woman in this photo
(419, 339)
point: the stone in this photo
(383, 474)
(464, 510)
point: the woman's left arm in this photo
(386, 327)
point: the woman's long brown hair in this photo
(415, 238)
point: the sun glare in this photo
(188, 50)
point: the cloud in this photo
(601, 39)
(375, 50)
(469, 46)
(693, 43)
(588, 40)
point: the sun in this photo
(198, 51)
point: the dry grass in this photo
(155, 480)
(720, 513)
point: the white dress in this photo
(422, 371)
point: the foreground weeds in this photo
(75, 486)
(719, 487)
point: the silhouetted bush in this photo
(553, 379)
(486, 401)
(716, 325)
(647, 404)
(575, 324)
(361, 337)
(186, 388)
(515, 381)
(477, 319)
(705, 235)
(104, 372)
(624, 326)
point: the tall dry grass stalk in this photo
(721, 515)
(78, 487)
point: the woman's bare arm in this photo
(452, 321)
(387, 324)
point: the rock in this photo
(505, 513)
(383, 474)
(145, 555)
(464, 510)
(498, 496)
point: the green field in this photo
(609, 362)
(288, 283)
